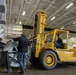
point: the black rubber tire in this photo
(43, 62)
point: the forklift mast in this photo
(40, 19)
(39, 25)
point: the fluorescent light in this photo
(53, 18)
(23, 13)
(20, 22)
(62, 28)
(74, 22)
(69, 5)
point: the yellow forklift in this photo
(43, 47)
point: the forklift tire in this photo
(48, 60)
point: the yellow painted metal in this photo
(65, 55)
(41, 21)
(40, 38)
(40, 29)
(49, 60)
(74, 52)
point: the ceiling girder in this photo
(46, 29)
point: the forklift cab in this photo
(52, 36)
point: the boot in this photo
(22, 70)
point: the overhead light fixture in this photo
(24, 12)
(74, 23)
(62, 28)
(69, 5)
(53, 18)
(20, 22)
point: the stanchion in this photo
(4, 60)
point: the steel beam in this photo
(46, 29)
